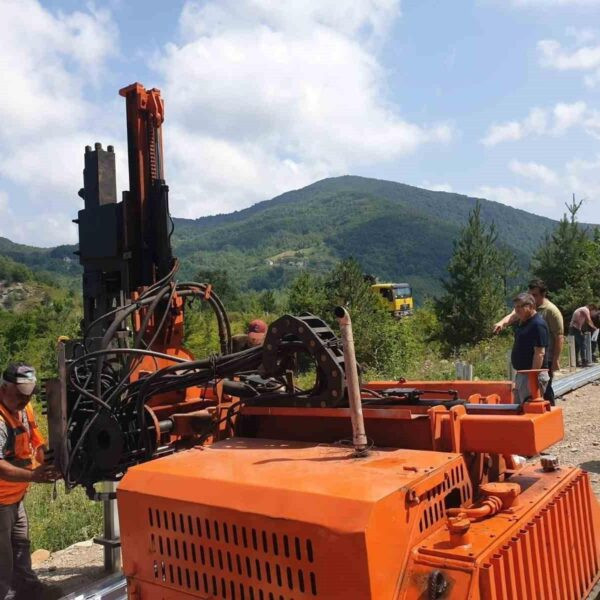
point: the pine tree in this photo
(379, 341)
(347, 286)
(307, 294)
(221, 283)
(568, 261)
(268, 302)
(474, 292)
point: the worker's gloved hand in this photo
(45, 474)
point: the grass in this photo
(57, 523)
(58, 519)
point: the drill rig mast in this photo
(125, 246)
(133, 316)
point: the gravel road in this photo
(581, 445)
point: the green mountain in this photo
(59, 260)
(397, 232)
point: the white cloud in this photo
(593, 79)
(217, 176)
(536, 121)
(48, 63)
(592, 124)
(368, 17)
(554, 3)
(567, 115)
(516, 197)
(46, 59)
(278, 94)
(505, 132)
(40, 228)
(580, 58)
(578, 176)
(555, 121)
(583, 178)
(581, 35)
(535, 171)
(437, 187)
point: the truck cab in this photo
(397, 297)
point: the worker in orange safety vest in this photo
(21, 462)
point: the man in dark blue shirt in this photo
(529, 347)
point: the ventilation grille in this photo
(228, 560)
(433, 502)
(553, 556)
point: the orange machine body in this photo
(286, 511)
(267, 519)
(414, 428)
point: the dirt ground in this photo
(81, 564)
(73, 567)
(581, 445)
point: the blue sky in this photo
(492, 98)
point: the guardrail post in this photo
(587, 346)
(458, 365)
(464, 370)
(509, 368)
(572, 354)
(469, 372)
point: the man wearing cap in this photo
(21, 462)
(255, 336)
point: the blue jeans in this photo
(580, 349)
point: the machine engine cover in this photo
(252, 518)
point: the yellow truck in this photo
(397, 297)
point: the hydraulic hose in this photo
(488, 508)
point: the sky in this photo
(492, 98)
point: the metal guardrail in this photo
(576, 380)
(113, 587)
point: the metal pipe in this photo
(359, 437)
(112, 549)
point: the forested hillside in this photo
(397, 232)
(57, 260)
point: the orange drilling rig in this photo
(236, 484)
